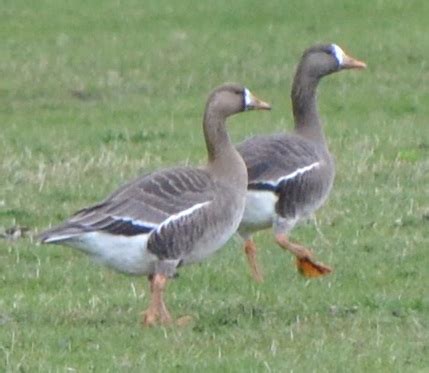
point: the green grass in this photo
(93, 93)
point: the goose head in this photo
(321, 60)
(232, 98)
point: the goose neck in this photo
(305, 110)
(216, 136)
(224, 162)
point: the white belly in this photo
(259, 212)
(125, 254)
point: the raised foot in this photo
(304, 258)
(310, 268)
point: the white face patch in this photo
(247, 98)
(338, 53)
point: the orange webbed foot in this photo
(306, 265)
(312, 269)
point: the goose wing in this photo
(142, 205)
(275, 160)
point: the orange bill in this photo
(309, 268)
(352, 63)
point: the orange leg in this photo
(157, 311)
(304, 258)
(250, 250)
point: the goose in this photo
(171, 217)
(291, 174)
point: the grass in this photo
(94, 93)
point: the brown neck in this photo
(217, 139)
(304, 105)
(224, 162)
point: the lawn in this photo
(94, 93)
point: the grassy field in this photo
(93, 93)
